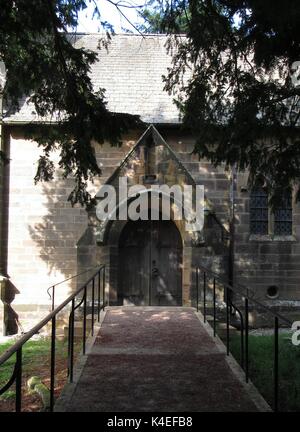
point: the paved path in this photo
(157, 359)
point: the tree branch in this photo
(118, 6)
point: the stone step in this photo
(78, 326)
(111, 155)
(107, 170)
(221, 326)
(221, 330)
(110, 162)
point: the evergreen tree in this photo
(158, 16)
(43, 65)
(241, 99)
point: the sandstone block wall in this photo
(48, 240)
(263, 261)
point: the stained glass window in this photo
(259, 212)
(283, 218)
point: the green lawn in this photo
(36, 362)
(261, 361)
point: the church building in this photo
(45, 240)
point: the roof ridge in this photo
(119, 34)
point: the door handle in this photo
(155, 272)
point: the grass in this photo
(36, 362)
(33, 353)
(261, 368)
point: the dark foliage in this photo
(43, 65)
(241, 99)
(159, 16)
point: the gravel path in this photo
(156, 359)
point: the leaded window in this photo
(259, 212)
(265, 221)
(283, 218)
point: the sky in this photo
(110, 14)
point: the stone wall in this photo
(48, 240)
(44, 229)
(264, 261)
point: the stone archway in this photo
(150, 264)
(109, 253)
(150, 164)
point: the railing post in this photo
(204, 296)
(84, 322)
(99, 299)
(93, 306)
(197, 288)
(71, 342)
(19, 380)
(103, 288)
(227, 320)
(52, 363)
(214, 301)
(53, 297)
(276, 386)
(247, 339)
(242, 342)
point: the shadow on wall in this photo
(57, 232)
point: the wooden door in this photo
(150, 264)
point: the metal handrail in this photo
(244, 321)
(99, 277)
(63, 281)
(247, 293)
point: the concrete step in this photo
(221, 326)
(78, 327)
(209, 318)
(221, 330)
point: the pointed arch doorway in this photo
(150, 264)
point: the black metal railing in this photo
(238, 298)
(51, 291)
(95, 284)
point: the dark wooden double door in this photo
(150, 266)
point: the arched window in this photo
(264, 221)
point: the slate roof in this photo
(131, 72)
